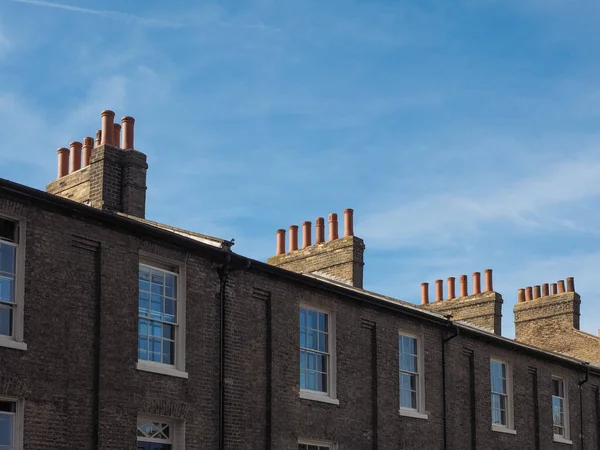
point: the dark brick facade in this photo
(81, 388)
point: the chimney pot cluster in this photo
(79, 155)
(306, 226)
(537, 291)
(464, 289)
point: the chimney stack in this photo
(483, 309)
(113, 180)
(306, 238)
(424, 293)
(339, 258)
(333, 227)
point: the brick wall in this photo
(552, 322)
(484, 310)
(340, 258)
(115, 180)
(82, 389)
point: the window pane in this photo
(170, 311)
(170, 286)
(312, 319)
(7, 258)
(302, 317)
(8, 230)
(303, 338)
(323, 342)
(7, 288)
(6, 429)
(6, 318)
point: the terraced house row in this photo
(117, 332)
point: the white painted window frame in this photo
(331, 395)
(566, 439)
(19, 420)
(509, 428)
(177, 430)
(419, 412)
(177, 369)
(330, 445)
(16, 340)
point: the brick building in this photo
(117, 332)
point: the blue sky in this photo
(464, 134)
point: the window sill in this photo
(501, 429)
(562, 440)
(413, 413)
(308, 395)
(10, 343)
(162, 369)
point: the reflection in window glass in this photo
(314, 350)
(157, 315)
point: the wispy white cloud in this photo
(538, 202)
(103, 13)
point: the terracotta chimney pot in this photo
(333, 227)
(348, 222)
(280, 242)
(439, 290)
(108, 129)
(553, 289)
(88, 146)
(127, 137)
(293, 238)
(545, 290)
(536, 292)
(570, 284)
(561, 286)
(63, 162)
(75, 160)
(424, 293)
(520, 295)
(476, 283)
(487, 274)
(306, 238)
(528, 293)
(320, 230)
(98, 138)
(464, 288)
(117, 135)
(451, 288)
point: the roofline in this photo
(55, 201)
(221, 254)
